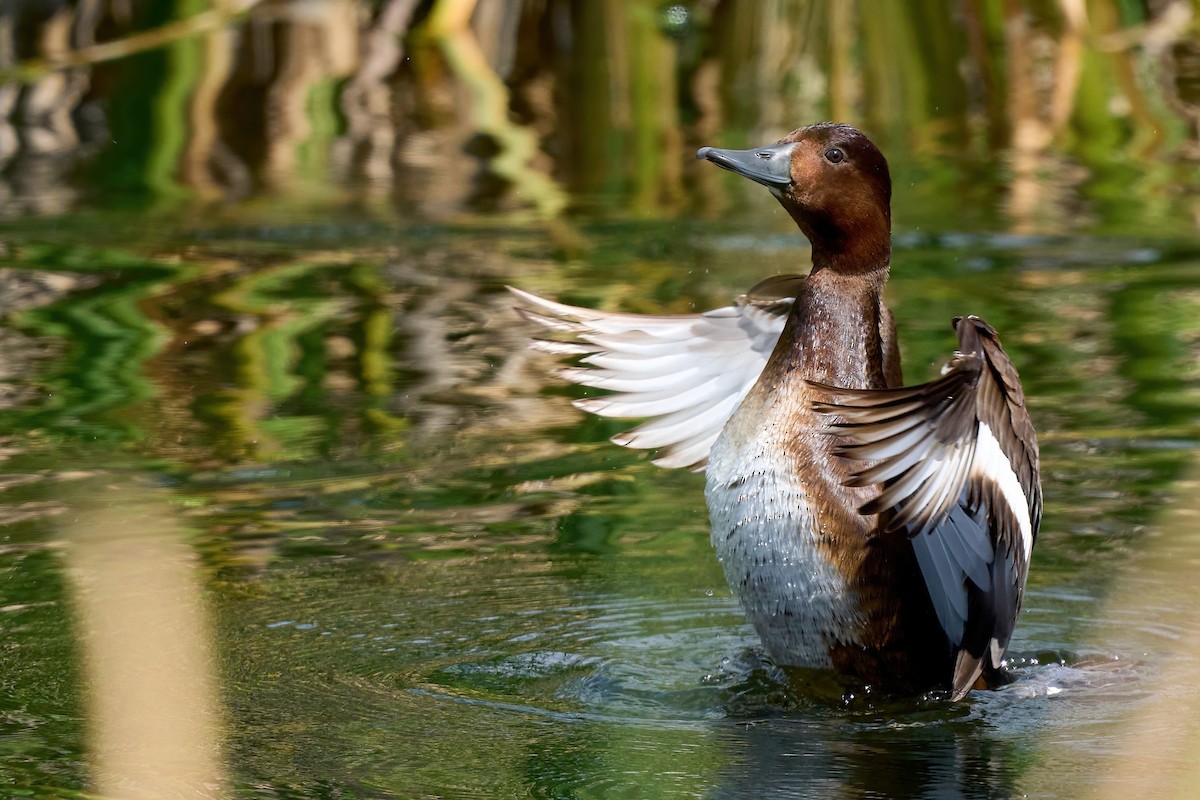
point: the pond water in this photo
(426, 574)
(289, 509)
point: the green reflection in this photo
(431, 575)
(101, 377)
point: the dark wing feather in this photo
(957, 460)
(684, 374)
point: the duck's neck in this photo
(833, 333)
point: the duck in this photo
(877, 530)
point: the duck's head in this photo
(835, 184)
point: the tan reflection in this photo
(152, 714)
(1037, 120)
(448, 26)
(202, 156)
(1160, 744)
(318, 44)
(366, 102)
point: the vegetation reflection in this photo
(255, 257)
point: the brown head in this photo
(835, 184)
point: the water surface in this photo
(289, 509)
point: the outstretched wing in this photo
(958, 462)
(685, 374)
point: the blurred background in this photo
(288, 509)
(1047, 116)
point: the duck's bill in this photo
(771, 166)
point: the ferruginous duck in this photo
(866, 527)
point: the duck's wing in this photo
(958, 462)
(684, 374)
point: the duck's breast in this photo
(770, 521)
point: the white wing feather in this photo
(685, 374)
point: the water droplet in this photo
(675, 20)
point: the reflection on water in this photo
(151, 705)
(277, 309)
(429, 574)
(1056, 115)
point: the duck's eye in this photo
(834, 156)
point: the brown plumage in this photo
(881, 531)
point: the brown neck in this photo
(859, 241)
(833, 333)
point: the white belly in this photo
(763, 532)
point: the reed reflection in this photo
(153, 713)
(447, 106)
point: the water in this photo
(288, 509)
(424, 573)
